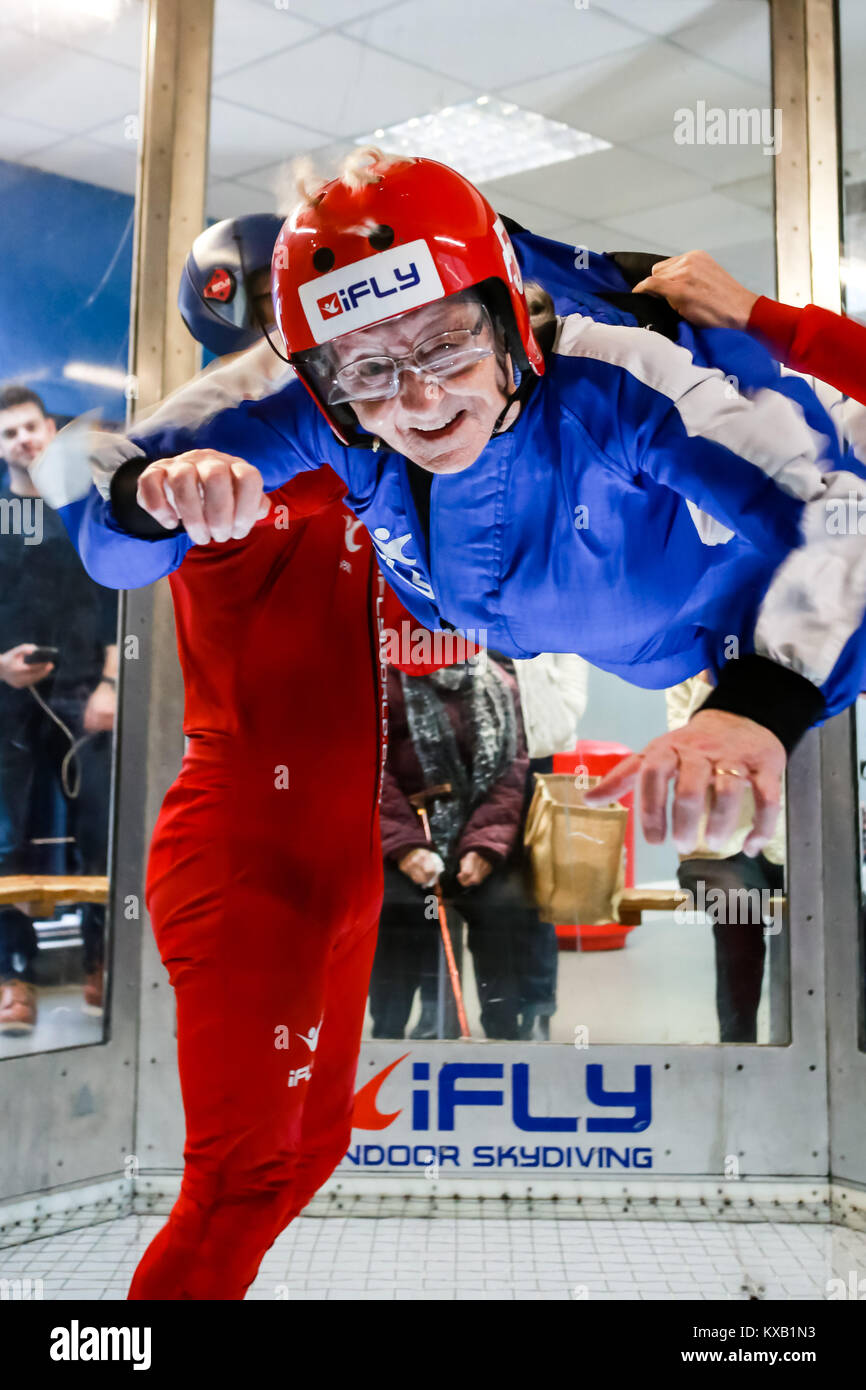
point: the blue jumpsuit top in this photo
(654, 514)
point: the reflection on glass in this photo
(69, 174)
(851, 414)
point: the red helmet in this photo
(353, 257)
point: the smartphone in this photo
(40, 654)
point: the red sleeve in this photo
(815, 341)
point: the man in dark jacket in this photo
(459, 725)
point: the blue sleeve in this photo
(112, 557)
(756, 465)
(281, 435)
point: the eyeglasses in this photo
(439, 357)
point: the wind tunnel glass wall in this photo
(69, 95)
(851, 414)
(608, 128)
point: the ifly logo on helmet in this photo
(401, 278)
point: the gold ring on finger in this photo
(729, 772)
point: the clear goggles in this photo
(437, 358)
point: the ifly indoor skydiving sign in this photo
(416, 1114)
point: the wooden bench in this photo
(41, 893)
(633, 902)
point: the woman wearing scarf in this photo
(458, 725)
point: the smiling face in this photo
(441, 425)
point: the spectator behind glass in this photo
(47, 824)
(459, 725)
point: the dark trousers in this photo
(739, 943)
(541, 964)
(35, 809)
(502, 925)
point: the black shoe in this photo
(426, 1025)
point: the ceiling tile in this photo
(489, 43)
(732, 36)
(715, 164)
(709, 222)
(757, 192)
(20, 138)
(242, 140)
(753, 263)
(41, 81)
(336, 85)
(659, 17)
(89, 162)
(227, 199)
(602, 185)
(244, 32)
(635, 94)
(327, 12)
(121, 41)
(534, 216)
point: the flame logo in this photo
(367, 1115)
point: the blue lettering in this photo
(640, 1099)
(369, 1150)
(547, 1162)
(528, 1157)
(520, 1106)
(622, 1159)
(511, 1153)
(410, 278)
(482, 1156)
(643, 1162)
(420, 1099)
(396, 1149)
(449, 1153)
(357, 291)
(380, 294)
(584, 1162)
(450, 1097)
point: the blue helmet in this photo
(213, 298)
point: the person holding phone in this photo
(58, 669)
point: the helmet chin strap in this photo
(524, 382)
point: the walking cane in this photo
(419, 801)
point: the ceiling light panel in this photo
(486, 139)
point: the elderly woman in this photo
(552, 492)
(458, 726)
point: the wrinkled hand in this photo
(474, 869)
(692, 757)
(100, 709)
(421, 865)
(216, 496)
(700, 290)
(14, 670)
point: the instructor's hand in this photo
(711, 763)
(697, 287)
(217, 497)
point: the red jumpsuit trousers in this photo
(265, 878)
